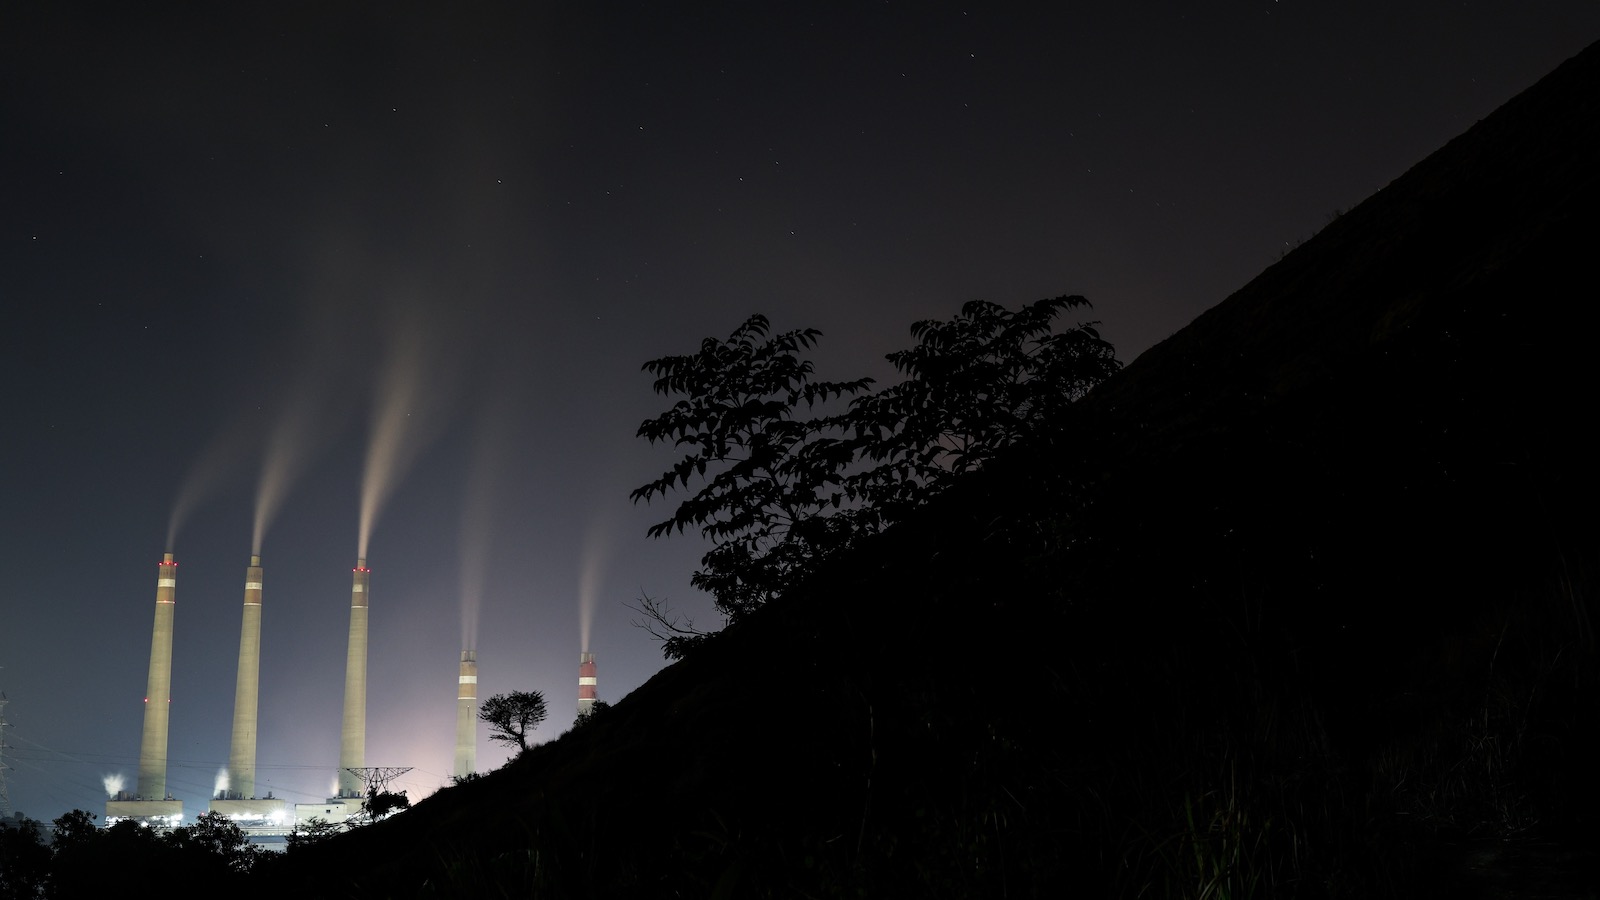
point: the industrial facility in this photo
(235, 795)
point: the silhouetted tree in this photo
(99, 866)
(599, 707)
(986, 379)
(215, 837)
(85, 861)
(382, 804)
(75, 866)
(513, 717)
(73, 829)
(24, 860)
(783, 489)
(745, 422)
(314, 830)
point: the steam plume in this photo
(487, 465)
(399, 416)
(474, 563)
(287, 452)
(225, 452)
(595, 544)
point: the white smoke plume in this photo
(596, 548)
(486, 469)
(285, 456)
(226, 452)
(409, 394)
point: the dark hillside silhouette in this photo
(1297, 604)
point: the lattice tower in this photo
(377, 778)
(5, 796)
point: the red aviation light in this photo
(168, 562)
(359, 569)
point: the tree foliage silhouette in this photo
(215, 837)
(73, 828)
(974, 385)
(24, 859)
(599, 708)
(311, 831)
(513, 717)
(744, 412)
(82, 860)
(785, 485)
(382, 804)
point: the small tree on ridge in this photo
(513, 717)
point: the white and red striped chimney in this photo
(586, 683)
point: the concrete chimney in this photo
(353, 737)
(242, 756)
(239, 802)
(158, 693)
(586, 683)
(467, 715)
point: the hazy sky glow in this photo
(256, 260)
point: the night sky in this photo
(234, 245)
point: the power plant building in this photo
(235, 796)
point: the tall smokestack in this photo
(353, 738)
(467, 715)
(158, 693)
(242, 756)
(586, 683)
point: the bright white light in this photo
(220, 787)
(113, 784)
